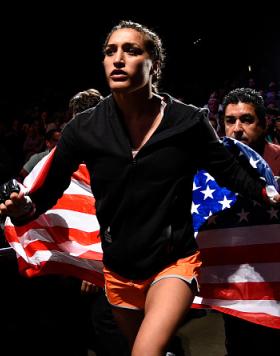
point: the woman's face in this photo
(128, 66)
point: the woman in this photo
(142, 150)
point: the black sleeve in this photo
(214, 157)
(67, 157)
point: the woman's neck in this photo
(135, 105)
(141, 116)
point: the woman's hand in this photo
(13, 201)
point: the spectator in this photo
(244, 117)
(51, 139)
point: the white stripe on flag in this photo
(270, 307)
(253, 272)
(239, 236)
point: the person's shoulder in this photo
(182, 113)
(34, 159)
(83, 117)
(95, 110)
(182, 106)
(273, 148)
(272, 156)
(39, 155)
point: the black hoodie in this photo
(143, 204)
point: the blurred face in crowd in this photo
(277, 123)
(128, 66)
(242, 124)
(213, 105)
(54, 140)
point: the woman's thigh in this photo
(167, 302)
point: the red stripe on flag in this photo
(58, 234)
(241, 254)
(80, 203)
(82, 174)
(257, 318)
(40, 246)
(241, 291)
(52, 267)
(40, 178)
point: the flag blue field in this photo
(240, 245)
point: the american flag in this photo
(238, 240)
(65, 239)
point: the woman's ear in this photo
(155, 69)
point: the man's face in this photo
(54, 140)
(242, 124)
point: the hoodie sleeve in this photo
(214, 157)
(65, 162)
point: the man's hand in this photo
(88, 288)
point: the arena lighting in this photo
(197, 41)
(249, 68)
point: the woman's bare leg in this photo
(166, 305)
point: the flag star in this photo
(243, 215)
(208, 192)
(225, 203)
(194, 208)
(253, 162)
(208, 177)
(210, 213)
(273, 213)
(194, 186)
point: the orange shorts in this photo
(131, 294)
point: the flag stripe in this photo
(93, 275)
(59, 256)
(82, 175)
(53, 233)
(255, 306)
(78, 187)
(70, 247)
(243, 291)
(238, 254)
(254, 272)
(37, 176)
(79, 203)
(63, 218)
(239, 236)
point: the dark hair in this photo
(249, 96)
(84, 100)
(49, 134)
(153, 45)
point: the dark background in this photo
(49, 55)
